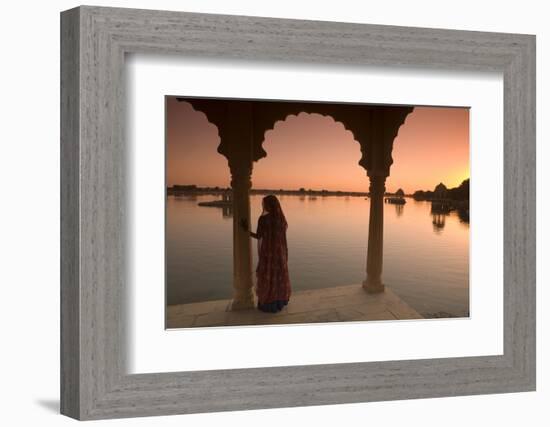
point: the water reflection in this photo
(185, 196)
(227, 212)
(327, 241)
(440, 209)
(399, 209)
(464, 215)
(438, 221)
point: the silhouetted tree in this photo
(419, 195)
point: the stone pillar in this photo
(241, 138)
(381, 126)
(373, 282)
(241, 183)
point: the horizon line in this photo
(304, 188)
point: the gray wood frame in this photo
(94, 383)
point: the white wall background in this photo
(29, 213)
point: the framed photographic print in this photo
(345, 209)
(313, 180)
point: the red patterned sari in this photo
(272, 279)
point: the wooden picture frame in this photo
(94, 41)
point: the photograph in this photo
(298, 212)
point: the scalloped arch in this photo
(351, 117)
(208, 114)
(282, 118)
(373, 127)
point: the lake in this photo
(426, 258)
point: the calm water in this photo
(424, 263)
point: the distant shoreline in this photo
(184, 190)
(195, 190)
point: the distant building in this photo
(440, 191)
(397, 198)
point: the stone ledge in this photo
(337, 304)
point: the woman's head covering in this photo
(271, 204)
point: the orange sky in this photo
(314, 151)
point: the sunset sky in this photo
(314, 151)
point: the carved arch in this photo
(268, 114)
(383, 127)
(373, 127)
(270, 119)
(212, 114)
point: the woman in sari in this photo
(272, 279)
